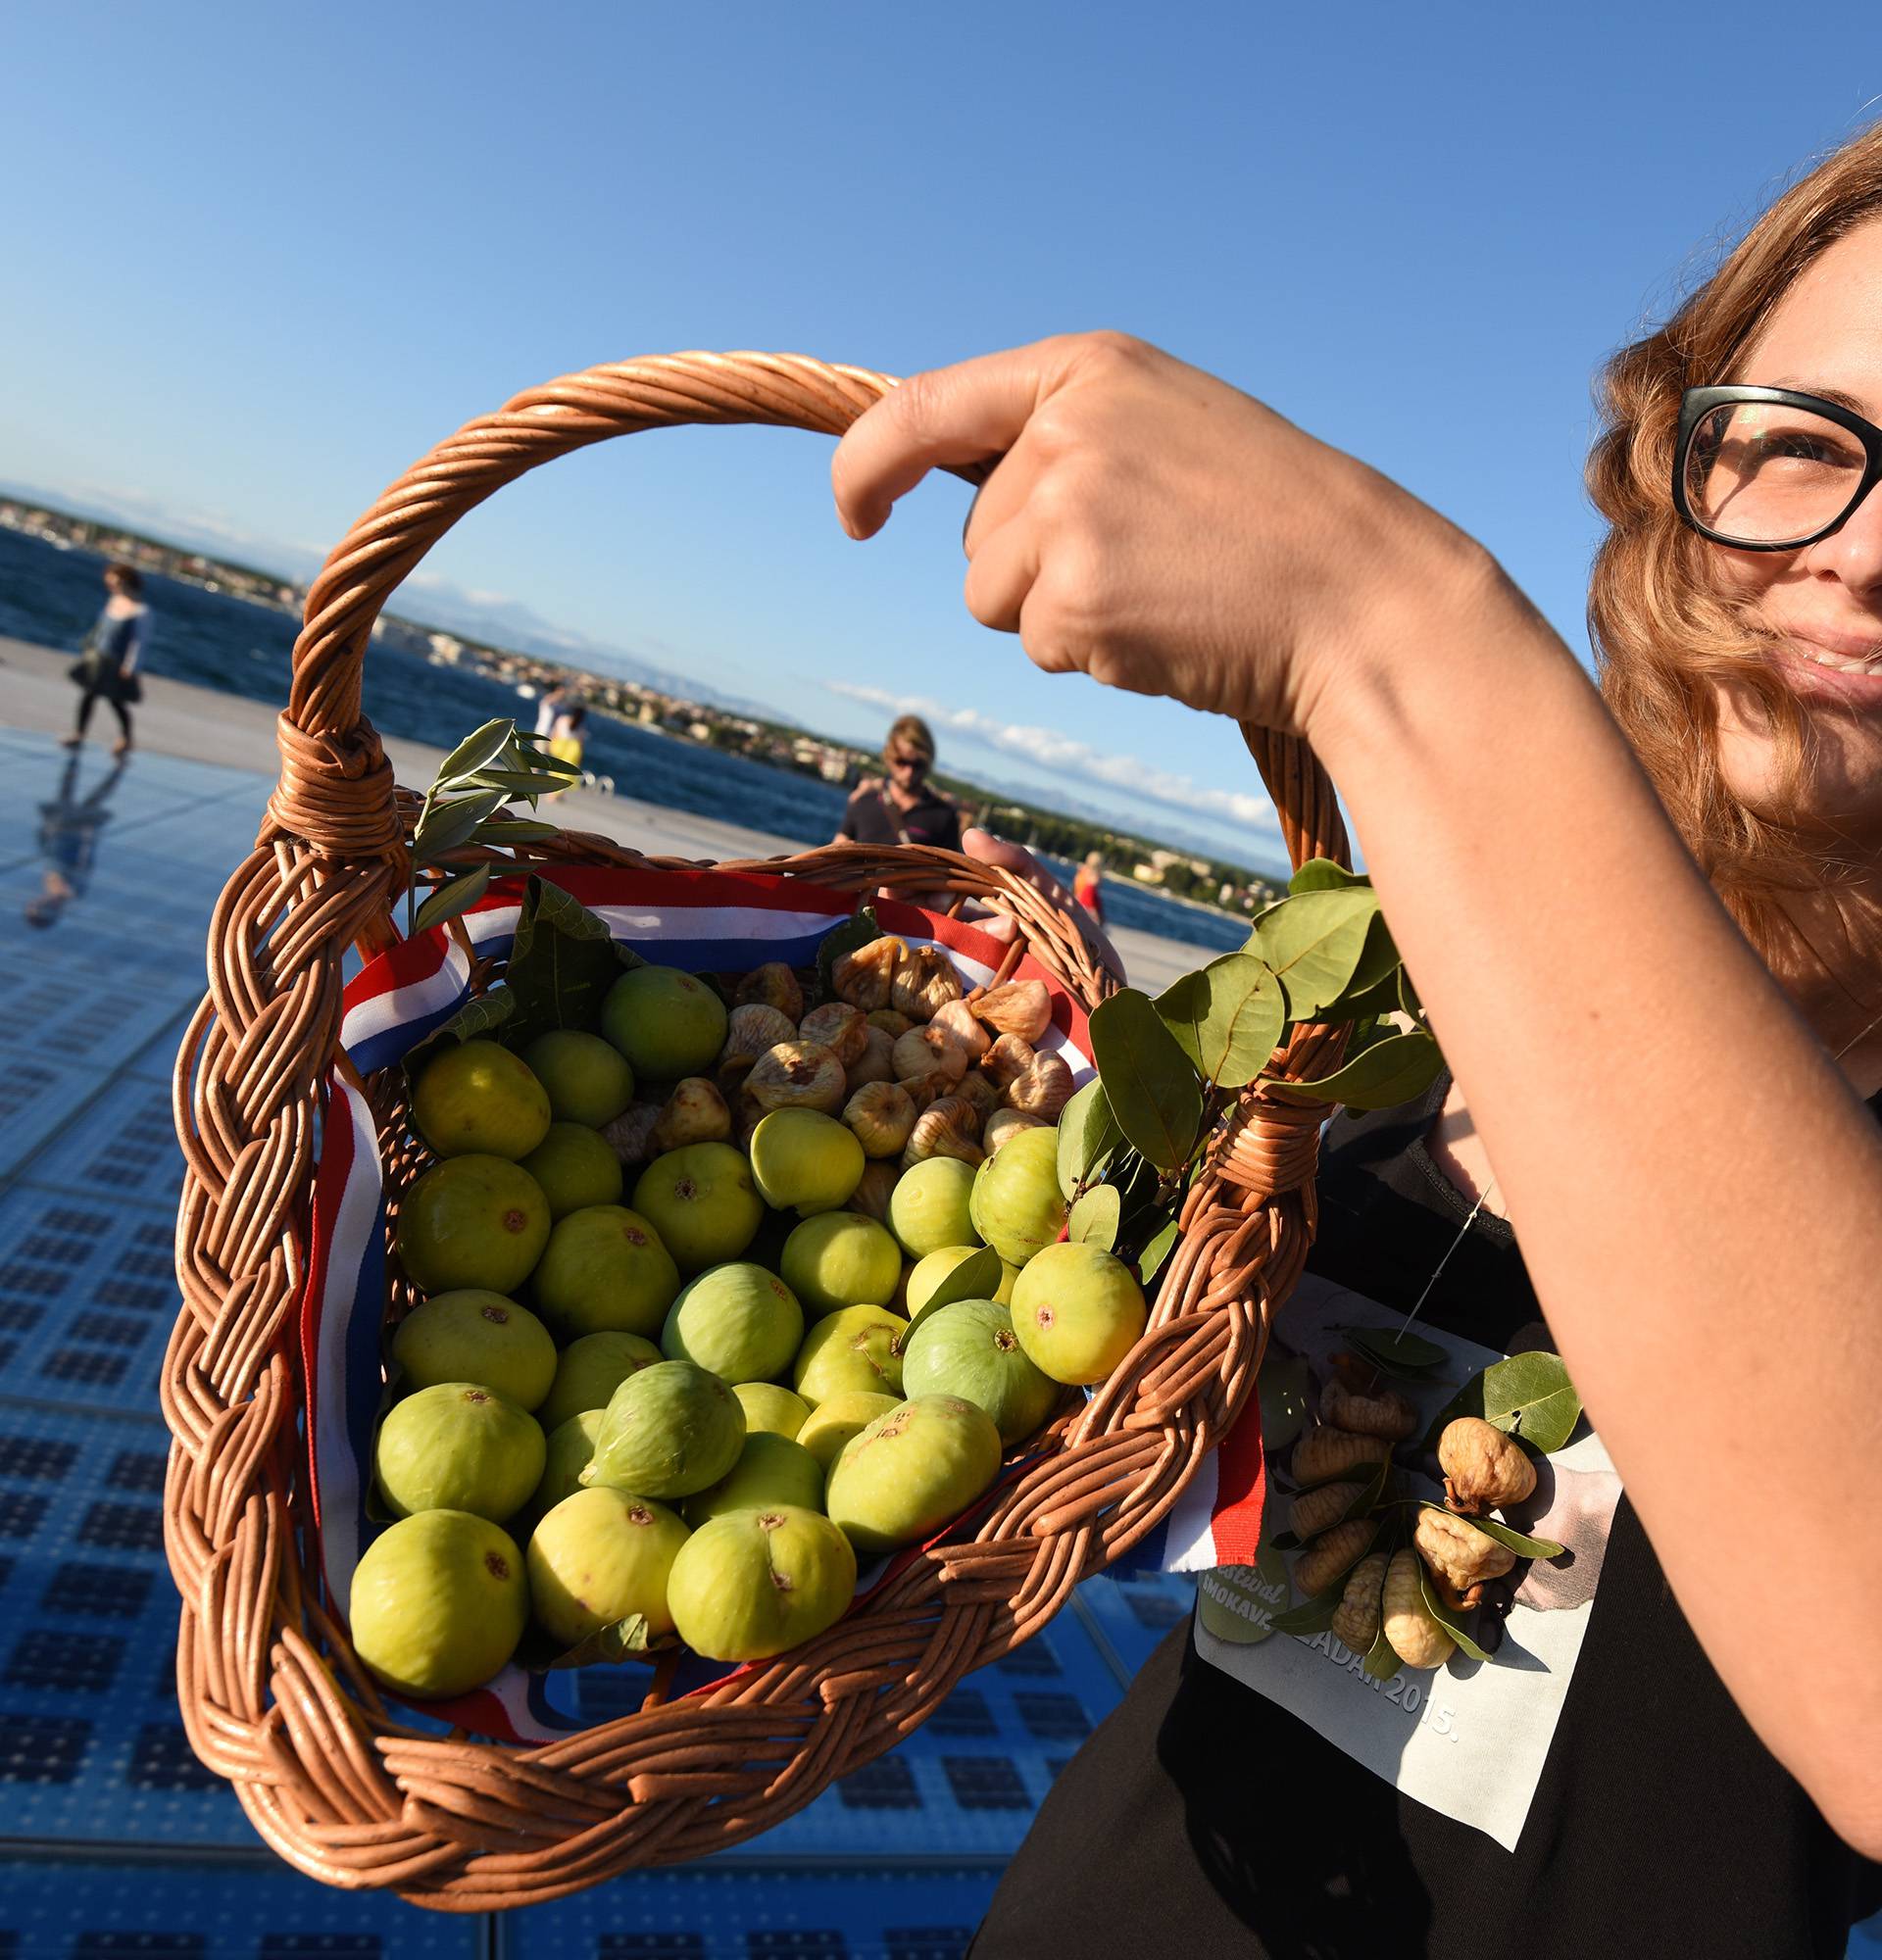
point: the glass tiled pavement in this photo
(113, 1839)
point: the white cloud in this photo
(1062, 755)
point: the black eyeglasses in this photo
(1768, 469)
(917, 766)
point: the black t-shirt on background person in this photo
(1203, 1819)
(872, 817)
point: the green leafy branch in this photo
(489, 769)
(1170, 1068)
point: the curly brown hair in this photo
(1663, 634)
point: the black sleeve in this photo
(847, 828)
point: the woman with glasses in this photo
(903, 807)
(1648, 925)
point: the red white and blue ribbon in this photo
(704, 922)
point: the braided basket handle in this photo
(336, 790)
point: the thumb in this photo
(946, 417)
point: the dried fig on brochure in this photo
(880, 1114)
(866, 978)
(925, 982)
(1459, 1552)
(695, 1113)
(947, 1128)
(1314, 1510)
(1483, 1467)
(1412, 1634)
(797, 1075)
(1332, 1553)
(839, 1027)
(1022, 1008)
(1357, 1619)
(1323, 1453)
(1384, 1412)
(773, 984)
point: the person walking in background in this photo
(905, 807)
(1087, 886)
(107, 669)
(551, 705)
(567, 743)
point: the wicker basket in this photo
(272, 1696)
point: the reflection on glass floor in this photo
(115, 1840)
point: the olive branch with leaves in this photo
(490, 768)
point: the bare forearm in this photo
(1697, 1191)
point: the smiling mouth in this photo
(1860, 663)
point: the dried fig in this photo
(925, 982)
(1007, 1061)
(840, 1028)
(1022, 1008)
(1385, 1412)
(1332, 1553)
(866, 978)
(747, 1115)
(773, 984)
(1409, 1630)
(947, 1128)
(749, 1031)
(695, 1113)
(1004, 1124)
(956, 1019)
(1323, 1453)
(925, 1052)
(630, 1136)
(1483, 1467)
(892, 1024)
(872, 1195)
(1042, 1089)
(982, 1093)
(1460, 1553)
(797, 1075)
(876, 1063)
(881, 1114)
(1357, 1619)
(1312, 1511)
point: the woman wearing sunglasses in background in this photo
(1659, 1097)
(903, 808)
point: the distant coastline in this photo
(1185, 877)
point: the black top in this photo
(872, 818)
(1201, 1819)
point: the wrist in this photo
(1438, 638)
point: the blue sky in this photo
(256, 259)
